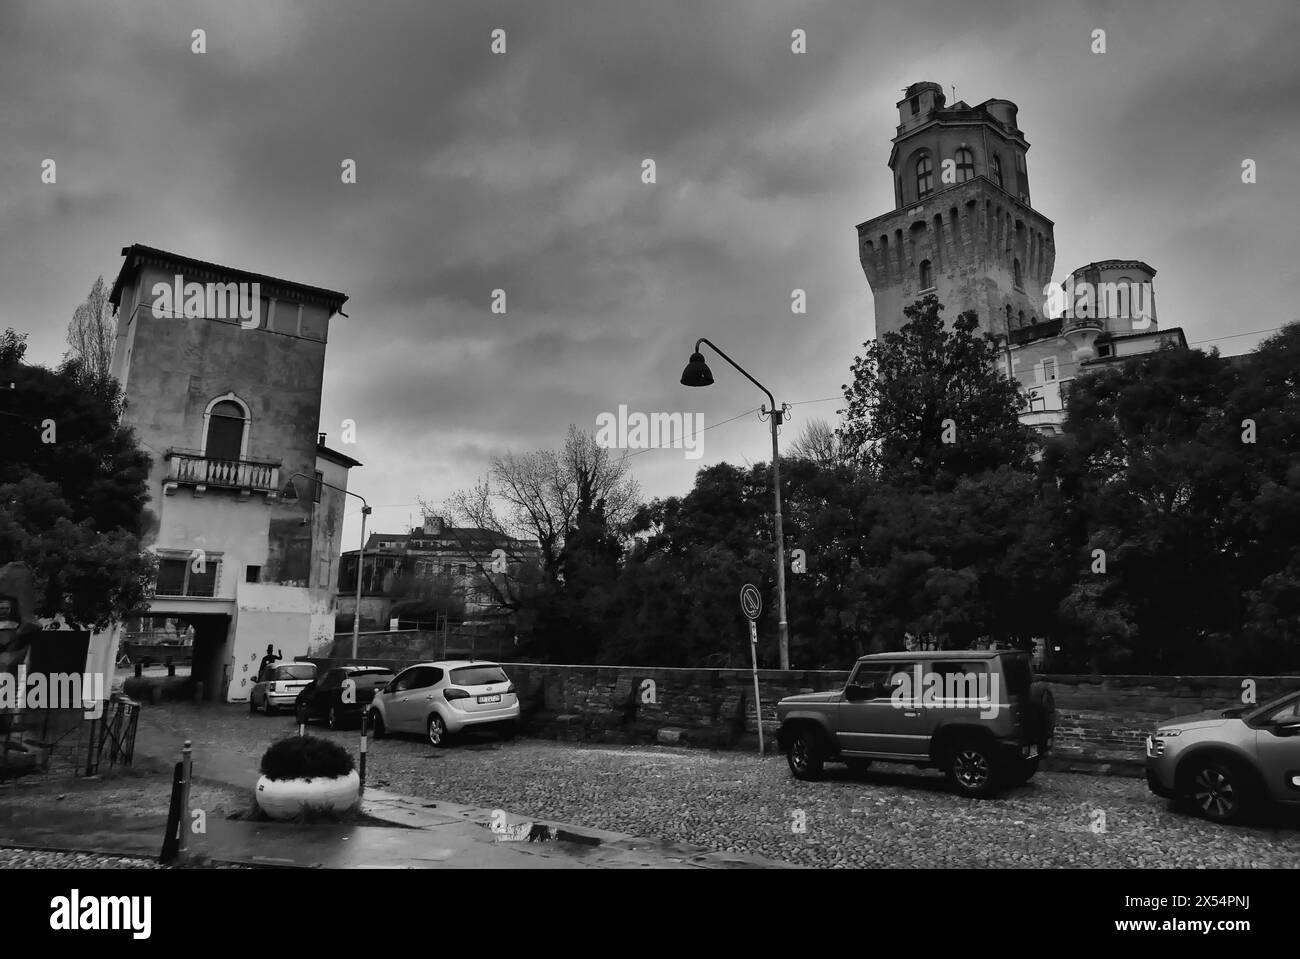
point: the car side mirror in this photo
(1287, 727)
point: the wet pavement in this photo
(424, 834)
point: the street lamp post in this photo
(697, 373)
(361, 556)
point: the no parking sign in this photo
(751, 604)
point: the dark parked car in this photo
(341, 695)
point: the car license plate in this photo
(495, 698)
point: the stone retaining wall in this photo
(1101, 721)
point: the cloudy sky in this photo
(522, 172)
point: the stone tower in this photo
(962, 226)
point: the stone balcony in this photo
(195, 469)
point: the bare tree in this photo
(527, 505)
(820, 443)
(92, 334)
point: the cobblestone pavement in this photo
(890, 816)
(11, 858)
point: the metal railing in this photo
(197, 469)
(66, 741)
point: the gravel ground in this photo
(43, 859)
(891, 816)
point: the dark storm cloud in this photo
(522, 172)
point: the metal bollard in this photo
(187, 767)
(365, 721)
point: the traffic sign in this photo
(751, 602)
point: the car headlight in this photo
(1167, 733)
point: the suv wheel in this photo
(1219, 790)
(267, 708)
(333, 719)
(252, 703)
(376, 724)
(437, 730)
(805, 754)
(971, 770)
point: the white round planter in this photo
(285, 798)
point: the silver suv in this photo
(444, 698)
(1229, 763)
(976, 714)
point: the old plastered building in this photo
(222, 371)
(964, 229)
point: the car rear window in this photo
(370, 680)
(478, 675)
(296, 671)
(1018, 676)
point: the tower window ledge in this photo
(928, 289)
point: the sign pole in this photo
(751, 604)
(758, 704)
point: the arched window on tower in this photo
(927, 275)
(965, 165)
(226, 422)
(1008, 316)
(1020, 319)
(996, 167)
(1015, 274)
(924, 176)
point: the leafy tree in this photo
(1180, 525)
(928, 403)
(73, 490)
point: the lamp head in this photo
(697, 372)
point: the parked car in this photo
(341, 696)
(976, 714)
(1230, 763)
(278, 686)
(445, 698)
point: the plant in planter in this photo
(307, 774)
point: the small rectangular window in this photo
(320, 478)
(1049, 369)
(252, 574)
(916, 105)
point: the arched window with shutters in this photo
(225, 429)
(995, 166)
(924, 176)
(965, 164)
(927, 275)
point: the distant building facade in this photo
(228, 406)
(464, 561)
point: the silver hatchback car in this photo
(442, 699)
(1229, 763)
